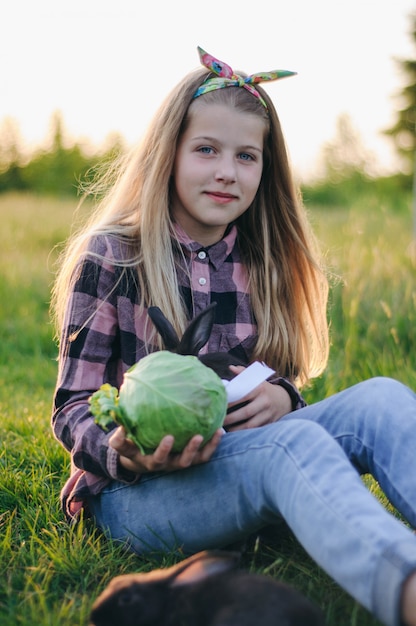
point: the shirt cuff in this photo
(298, 402)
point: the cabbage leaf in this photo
(164, 394)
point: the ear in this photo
(164, 328)
(203, 565)
(198, 331)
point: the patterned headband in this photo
(225, 77)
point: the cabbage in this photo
(163, 394)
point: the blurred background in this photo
(81, 79)
(79, 82)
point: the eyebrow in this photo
(214, 139)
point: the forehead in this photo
(218, 119)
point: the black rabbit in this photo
(206, 589)
(194, 338)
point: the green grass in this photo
(51, 572)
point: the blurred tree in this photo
(10, 155)
(347, 169)
(114, 145)
(10, 143)
(403, 132)
(61, 167)
(58, 168)
(345, 156)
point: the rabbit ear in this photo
(198, 331)
(164, 328)
(203, 565)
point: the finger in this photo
(245, 412)
(185, 458)
(158, 460)
(250, 397)
(162, 452)
(209, 448)
(129, 465)
(251, 415)
(119, 442)
(253, 422)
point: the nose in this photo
(226, 170)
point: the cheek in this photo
(253, 182)
(180, 176)
(184, 180)
(185, 171)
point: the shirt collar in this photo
(217, 252)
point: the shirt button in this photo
(202, 254)
(202, 281)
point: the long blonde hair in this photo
(288, 287)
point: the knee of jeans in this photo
(300, 432)
(384, 391)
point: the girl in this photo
(206, 210)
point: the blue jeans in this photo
(305, 468)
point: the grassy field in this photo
(50, 572)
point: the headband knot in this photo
(225, 77)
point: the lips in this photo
(221, 196)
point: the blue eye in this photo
(246, 157)
(205, 149)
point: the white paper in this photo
(249, 379)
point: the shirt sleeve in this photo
(88, 357)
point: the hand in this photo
(162, 459)
(265, 404)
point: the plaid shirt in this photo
(104, 335)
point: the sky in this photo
(107, 65)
